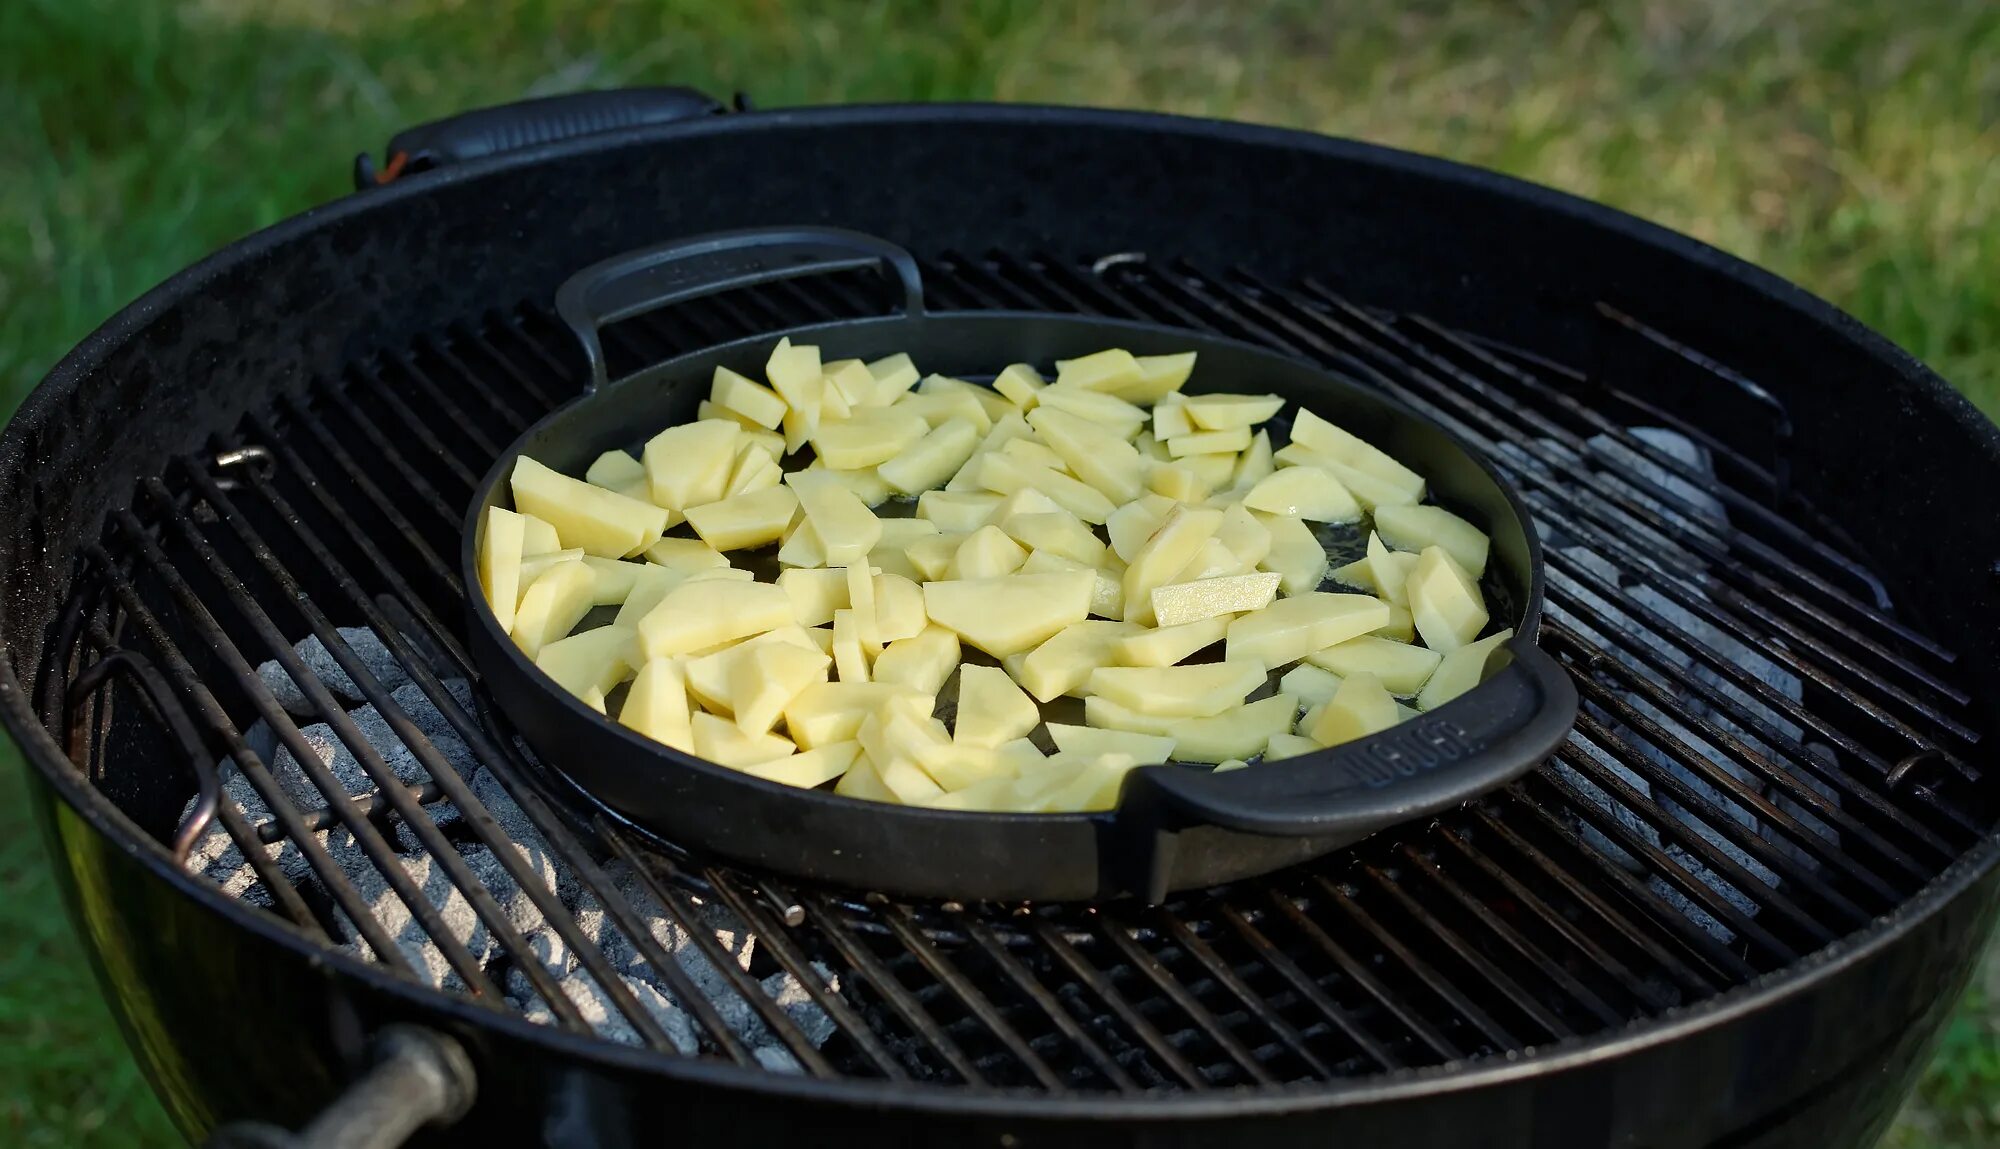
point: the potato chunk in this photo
(499, 566)
(766, 680)
(1318, 435)
(1170, 547)
(1221, 411)
(1168, 644)
(1098, 456)
(1445, 602)
(690, 465)
(1401, 668)
(991, 708)
(872, 435)
(601, 522)
(847, 530)
(552, 606)
(1306, 492)
(722, 742)
(1419, 527)
(620, 472)
(656, 704)
(753, 520)
(1003, 616)
(986, 553)
(746, 397)
(1292, 628)
(1359, 708)
(815, 594)
(1064, 663)
(1295, 554)
(1240, 733)
(1195, 691)
(1460, 671)
(1090, 741)
(701, 613)
(809, 769)
(592, 660)
(931, 460)
(1178, 604)
(956, 510)
(922, 662)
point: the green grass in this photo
(1848, 144)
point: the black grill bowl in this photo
(1440, 1003)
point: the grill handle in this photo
(1511, 721)
(650, 278)
(525, 123)
(419, 1078)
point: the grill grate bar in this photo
(968, 994)
(366, 837)
(1099, 985)
(1404, 1013)
(499, 761)
(1308, 989)
(210, 714)
(1146, 963)
(371, 762)
(465, 340)
(1575, 938)
(900, 1001)
(458, 420)
(1532, 955)
(1171, 926)
(428, 495)
(511, 415)
(1025, 981)
(1483, 359)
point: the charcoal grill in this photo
(1733, 909)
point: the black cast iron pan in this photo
(1175, 827)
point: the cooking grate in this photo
(1768, 757)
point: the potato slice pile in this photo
(1101, 536)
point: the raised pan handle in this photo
(654, 277)
(1460, 750)
(524, 123)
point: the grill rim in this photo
(59, 776)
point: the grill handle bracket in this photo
(419, 1078)
(650, 278)
(1492, 734)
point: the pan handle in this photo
(654, 277)
(1437, 760)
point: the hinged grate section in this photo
(1768, 757)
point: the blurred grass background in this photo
(1852, 145)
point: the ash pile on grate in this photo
(1615, 624)
(218, 858)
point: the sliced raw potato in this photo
(956, 766)
(766, 679)
(1390, 570)
(1168, 645)
(754, 471)
(656, 704)
(713, 676)
(861, 604)
(1295, 555)
(1369, 489)
(1220, 411)
(747, 397)
(872, 435)
(1323, 438)
(1292, 628)
(1401, 627)
(846, 528)
(1035, 452)
(1445, 604)
(701, 613)
(851, 652)
(532, 568)
(1006, 475)
(1359, 708)
(1021, 384)
(1247, 538)
(1178, 604)
(1004, 616)
(1107, 370)
(931, 460)
(592, 660)
(815, 594)
(1159, 377)
(689, 465)
(1107, 411)
(1283, 746)
(899, 608)
(1170, 421)
(650, 584)
(1211, 443)
(1194, 691)
(1132, 524)
(809, 769)
(708, 410)
(538, 537)
(1107, 596)
(894, 374)
(852, 379)
(922, 662)
(1304, 492)
(792, 365)
(986, 553)
(803, 549)
(1026, 501)
(685, 555)
(724, 743)
(1460, 671)
(601, 522)
(1309, 684)
(552, 606)
(745, 521)
(932, 555)
(1400, 667)
(991, 708)
(1177, 481)
(619, 471)
(827, 712)
(1065, 662)
(499, 563)
(1212, 469)
(962, 511)
(937, 407)
(1254, 464)
(1056, 532)
(1416, 528)
(1093, 742)
(1177, 540)
(1099, 457)
(862, 781)
(908, 782)
(1240, 733)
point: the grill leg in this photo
(419, 1078)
